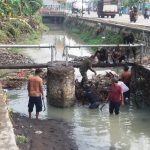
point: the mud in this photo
(43, 134)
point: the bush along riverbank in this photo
(12, 29)
(19, 30)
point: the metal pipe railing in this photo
(106, 45)
(51, 47)
(26, 46)
(67, 47)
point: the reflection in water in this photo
(93, 129)
(60, 39)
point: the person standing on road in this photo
(85, 66)
(115, 97)
(35, 93)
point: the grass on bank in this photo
(21, 30)
(21, 139)
(91, 38)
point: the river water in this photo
(93, 129)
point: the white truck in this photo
(107, 8)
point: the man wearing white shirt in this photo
(125, 89)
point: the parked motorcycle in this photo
(146, 13)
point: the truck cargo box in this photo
(110, 8)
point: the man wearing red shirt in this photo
(115, 97)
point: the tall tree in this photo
(130, 3)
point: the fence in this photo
(67, 47)
(51, 47)
(141, 46)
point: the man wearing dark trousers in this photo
(115, 97)
(35, 93)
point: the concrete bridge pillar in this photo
(61, 86)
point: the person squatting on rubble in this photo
(128, 38)
(115, 97)
(117, 55)
(126, 78)
(85, 66)
(102, 55)
(35, 92)
(91, 96)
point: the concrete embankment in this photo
(7, 136)
(141, 33)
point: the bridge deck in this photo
(45, 12)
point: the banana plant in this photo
(11, 8)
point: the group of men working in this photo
(118, 54)
(116, 96)
(35, 82)
(119, 90)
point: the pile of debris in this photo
(100, 84)
(7, 57)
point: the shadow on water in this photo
(93, 129)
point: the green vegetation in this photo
(21, 139)
(19, 18)
(91, 38)
(131, 3)
(15, 8)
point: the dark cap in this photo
(38, 70)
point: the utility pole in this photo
(82, 8)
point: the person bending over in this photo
(85, 66)
(92, 97)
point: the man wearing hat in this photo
(115, 97)
(35, 92)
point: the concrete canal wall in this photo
(141, 34)
(140, 84)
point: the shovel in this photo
(43, 104)
(101, 108)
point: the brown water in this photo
(93, 129)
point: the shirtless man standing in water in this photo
(126, 78)
(35, 92)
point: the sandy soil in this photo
(43, 134)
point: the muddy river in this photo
(93, 129)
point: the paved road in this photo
(123, 18)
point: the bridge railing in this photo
(140, 46)
(67, 47)
(51, 47)
(48, 11)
